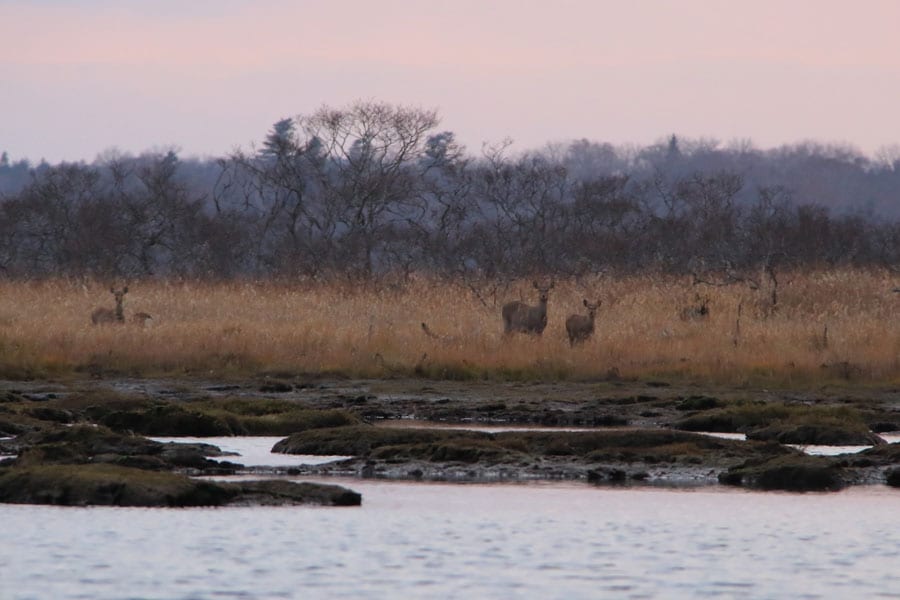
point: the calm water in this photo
(467, 541)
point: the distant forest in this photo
(373, 190)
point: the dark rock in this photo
(713, 421)
(892, 477)
(882, 455)
(10, 428)
(607, 420)
(279, 491)
(698, 403)
(11, 396)
(491, 407)
(796, 473)
(179, 456)
(884, 426)
(46, 413)
(276, 387)
(606, 475)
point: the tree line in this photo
(375, 189)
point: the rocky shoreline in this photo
(83, 442)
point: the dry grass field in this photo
(828, 326)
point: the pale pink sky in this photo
(79, 77)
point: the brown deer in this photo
(581, 327)
(698, 312)
(522, 318)
(446, 339)
(141, 319)
(102, 316)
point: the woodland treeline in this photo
(374, 189)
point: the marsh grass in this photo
(829, 326)
(745, 416)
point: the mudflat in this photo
(608, 431)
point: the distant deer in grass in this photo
(581, 327)
(430, 333)
(698, 312)
(141, 319)
(102, 316)
(446, 339)
(519, 317)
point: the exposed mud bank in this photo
(638, 432)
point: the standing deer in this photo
(105, 315)
(581, 327)
(520, 317)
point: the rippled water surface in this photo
(253, 451)
(468, 541)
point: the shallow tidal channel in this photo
(427, 540)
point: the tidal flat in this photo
(606, 432)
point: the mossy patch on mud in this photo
(83, 444)
(793, 472)
(785, 423)
(892, 477)
(112, 485)
(624, 446)
(170, 417)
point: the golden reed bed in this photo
(830, 325)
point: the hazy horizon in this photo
(82, 77)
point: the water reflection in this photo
(253, 451)
(462, 541)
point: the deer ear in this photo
(585, 302)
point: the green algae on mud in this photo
(569, 453)
(113, 485)
(833, 425)
(795, 473)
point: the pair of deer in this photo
(103, 316)
(519, 317)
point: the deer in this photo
(581, 327)
(102, 316)
(523, 318)
(696, 313)
(141, 319)
(445, 339)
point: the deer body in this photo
(102, 316)
(445, 339)
(141, 319)
(519, 317)
(581, 327)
